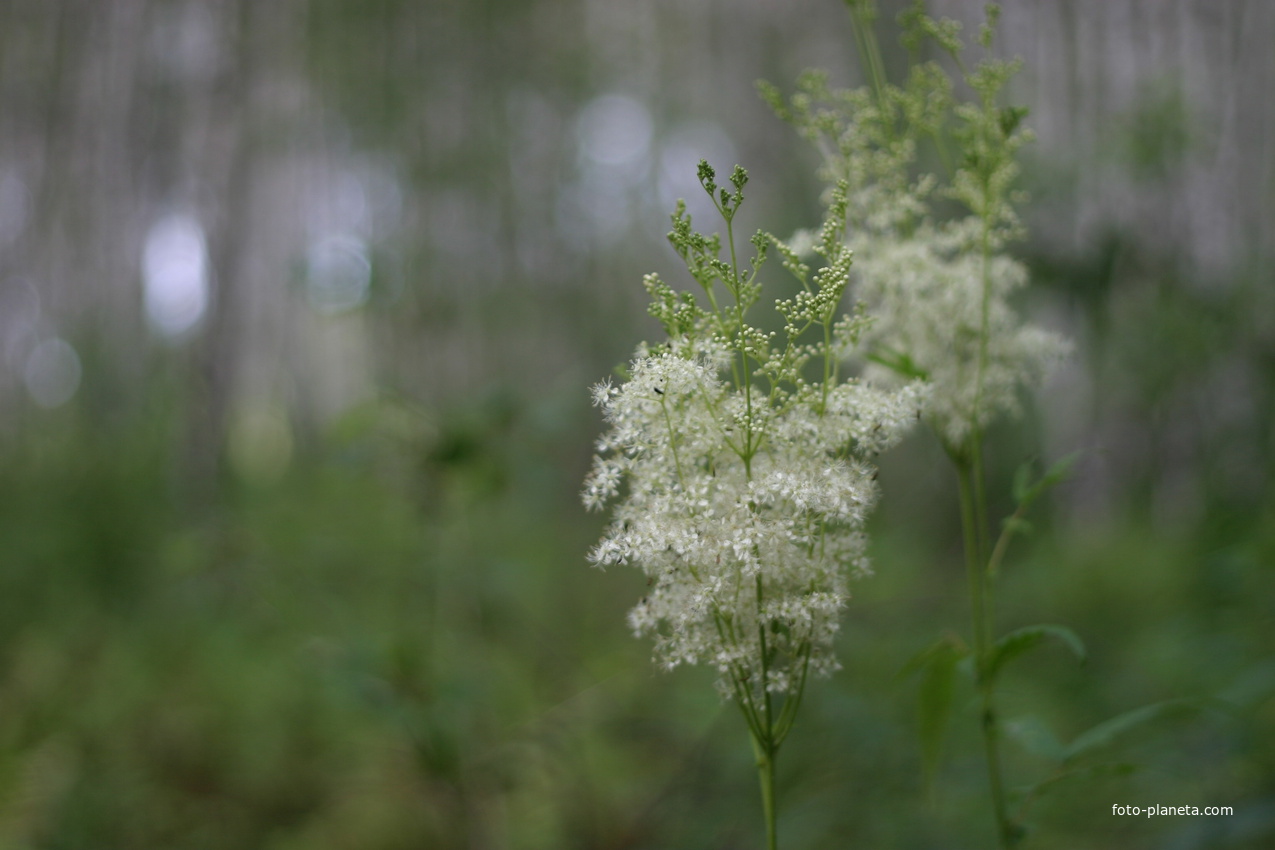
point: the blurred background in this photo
(299, 306)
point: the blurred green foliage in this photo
(397, 644)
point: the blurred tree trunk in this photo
(230, 165)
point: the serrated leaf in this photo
(1108, 730)
(1021, 640)
(1035, 736)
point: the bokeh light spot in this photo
(339, 274)
(614, 130)
(52, 373)
(175, 275)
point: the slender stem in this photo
(672, 441)
(1002, 544)
(765, 753)
(869, 51)
(762, 730)
(973, 563)
(829, 366)
(982, 604)
(746, 375)
(980, 494)
(788, 714)
(991, 749)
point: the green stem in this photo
(829, 366)
(973, 563)
(765, 744)
(746, 375)
(1002, 544)
(983, 613)
(862, 18)
(991, 749)
(672, 441)
(788, 714)
(978, 477)
(765, 753)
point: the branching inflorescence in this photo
(742, 482)
(937, 288)
(740, 464)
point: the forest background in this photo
(299, 306)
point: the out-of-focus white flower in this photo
(929, 309)
(937, 291)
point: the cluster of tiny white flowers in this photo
(748, 561)
(937, 291)
(931, 307)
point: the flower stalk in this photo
(741, 486)
(982, 615)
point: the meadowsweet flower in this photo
(741, 487)
(938, 290)
(945, 316)
(739, 555)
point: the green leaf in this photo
(918, 662)
(1254, 686)
(1022, 482)
(1021, 640)
(1087, 772)
(1109, 730)
(937, 664)
(1025, 494)
(1036, 737)
(935, 706)
(1017, 525)
(901, 364)
(1060, 470)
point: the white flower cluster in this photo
(748, 560)
(937, 291)
(946, 316)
